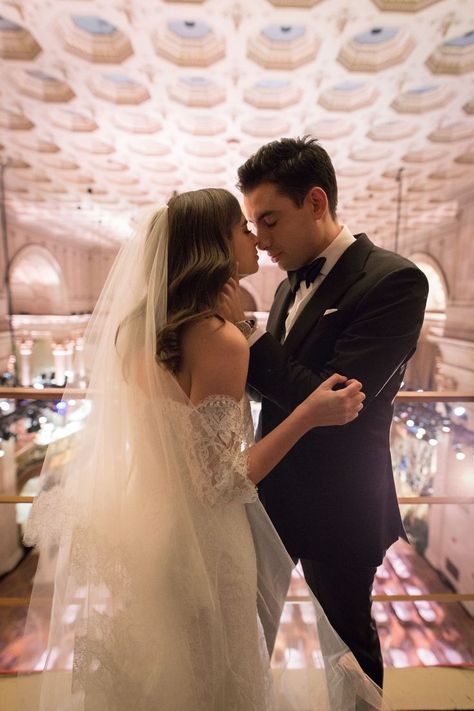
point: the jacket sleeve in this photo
(381, 336)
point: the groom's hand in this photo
(228, 303)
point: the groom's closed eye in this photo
(269, 222)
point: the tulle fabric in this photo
(155, 553)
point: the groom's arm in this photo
(380, 337)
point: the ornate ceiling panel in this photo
(376, 48)
(114, 104)
(188, 43)
(45, 87)
(454, 56)
(284, 47)
(16, 42)
(94, 38)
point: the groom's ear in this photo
(318, 201)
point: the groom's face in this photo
(287, 232)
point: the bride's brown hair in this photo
(200, 262)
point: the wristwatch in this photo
(247, 327)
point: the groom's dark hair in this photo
(294, 166)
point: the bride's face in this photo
(244, 248)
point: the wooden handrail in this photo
(431, 597)
(435, 499)
(21, 393)
(16, 499)
(4, 499)
(40, 394)
(434, 396)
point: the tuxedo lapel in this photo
(279, 310)
(348, 269)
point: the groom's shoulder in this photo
(387, 259)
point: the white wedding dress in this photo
(216, 434)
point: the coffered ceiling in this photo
(108, 105)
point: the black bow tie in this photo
(308, 274)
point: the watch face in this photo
(246, 327)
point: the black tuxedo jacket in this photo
(333, 495)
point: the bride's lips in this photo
(274, 257)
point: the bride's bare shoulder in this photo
(215, 355)
(214, 337)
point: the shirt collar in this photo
(335, 250)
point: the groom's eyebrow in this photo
(267, 213)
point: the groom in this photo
(346, 307)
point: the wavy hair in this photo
(200, 262)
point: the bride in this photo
(155, 553)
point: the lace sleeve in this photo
(220, 436)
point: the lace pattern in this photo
(50, 514)
(217, 432)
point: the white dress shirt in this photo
(304, 293)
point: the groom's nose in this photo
(263, 242)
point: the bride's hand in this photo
(326, 406)
(228, 303)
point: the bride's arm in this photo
(217, 355)
(323, 407)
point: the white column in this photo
(10, 549)
(25, 348)
(79, 362)
(69, 353)
(59, 355)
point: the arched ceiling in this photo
(110, 104)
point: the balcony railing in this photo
(53, 394)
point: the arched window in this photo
(37, 283)
(438, 294)
(421, 370)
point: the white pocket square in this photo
(329, 311)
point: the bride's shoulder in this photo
(215, 356)
(214, 334)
